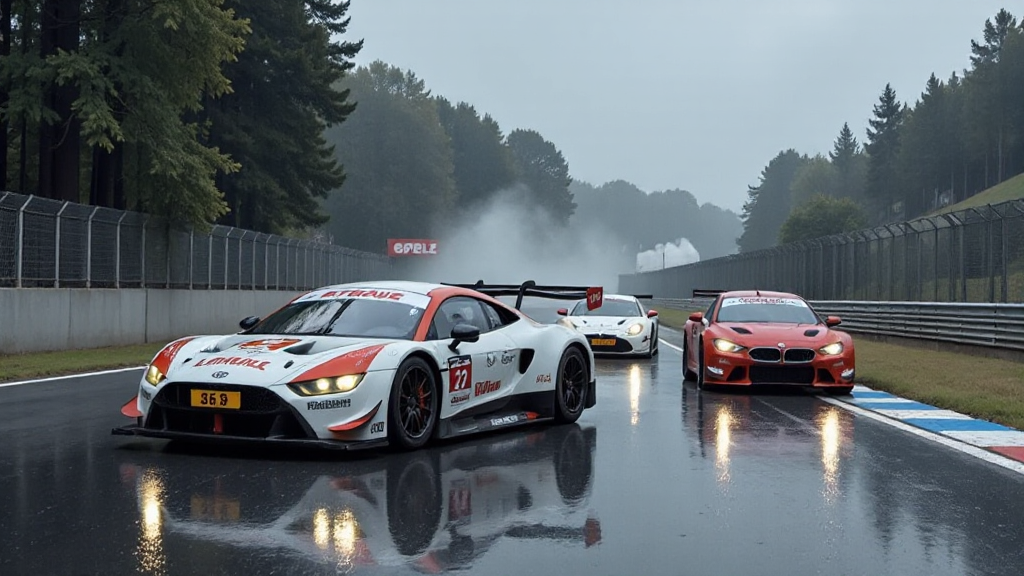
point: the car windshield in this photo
(345, 317)
(618, 308)
(761, 309)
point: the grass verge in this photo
(986, 388)
(43, 364)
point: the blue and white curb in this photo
(1002, 440)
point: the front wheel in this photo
(413, 406)
(839, 390)
(571, 386)
(688, 375)
(701, 370)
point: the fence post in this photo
(56, 245)
(227, 261)
(277, 265)
(266, 262)
(240, 238)
(191, 249)
(142, 253)
(20, 242)
(253, 271)
(209, 259)
(88, 248)
(1005, 261)
(117, 251)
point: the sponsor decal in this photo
(268, 344)
(219, 374)
(595, 298)
(329, 404)
(460, 373)
(233, 361)
(504, 420)
(508, 357)
(492, 359)
(486, 387)
(545, 378)
(407, 247)
(369, 293)
(377, 428)
(460, 398)
(764, 300)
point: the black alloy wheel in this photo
(571, 387)
(414, 405)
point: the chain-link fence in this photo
(974, 255)
(47, 243)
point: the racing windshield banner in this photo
(370, 293)
(764, 300)
(406, 247)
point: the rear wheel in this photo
(571, 386)
(413, 408)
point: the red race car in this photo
(753, 337)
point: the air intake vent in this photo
(740, 330)
(525, 358)
(766, 354)
(811, 332)
(301, 349)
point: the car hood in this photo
(604, 322)
(261, 359)
(765, 334)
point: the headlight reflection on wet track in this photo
(831, 436)
(634, 394)
(723, 441)
(150, 550)
(338, 536)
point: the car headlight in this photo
(723, 345)
(322, 386)
(831, 349)
(154, 376)
(635, 329)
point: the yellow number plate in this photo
(603, 342)
(212, 399)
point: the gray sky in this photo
(689, 94)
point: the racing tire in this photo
(701, 385)
(413, 407)
(688, 375)
(839, 391)
(653, 349)
(571, 386)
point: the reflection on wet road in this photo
(658, 478)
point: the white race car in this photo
(430, 511)
(369, 365)
(620, 326)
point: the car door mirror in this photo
(249, 322)
(697, 317)
(652, 313)
(833, 321)
(463, 333)
(563, 311)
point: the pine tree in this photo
(883, 149)
(843, 156)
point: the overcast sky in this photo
(689, 94)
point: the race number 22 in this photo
(460, 373)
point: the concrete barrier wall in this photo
(36, 320)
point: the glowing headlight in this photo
(723, 345)
(154, 376)
(635, 329)
(832, 349)
(327, 385)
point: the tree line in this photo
(203, 111)
(963, 135)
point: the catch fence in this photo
(48, 243)
(973, 255)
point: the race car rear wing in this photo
(594, 295)
(698, 293)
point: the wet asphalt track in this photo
(656, 479)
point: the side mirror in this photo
(697, 317)
(833, 321)
(563, 311)
(249, 322)
(652, 313)
(463, 333)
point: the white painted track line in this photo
(83, 375)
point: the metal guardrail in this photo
(998, 326)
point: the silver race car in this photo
(620, 326)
